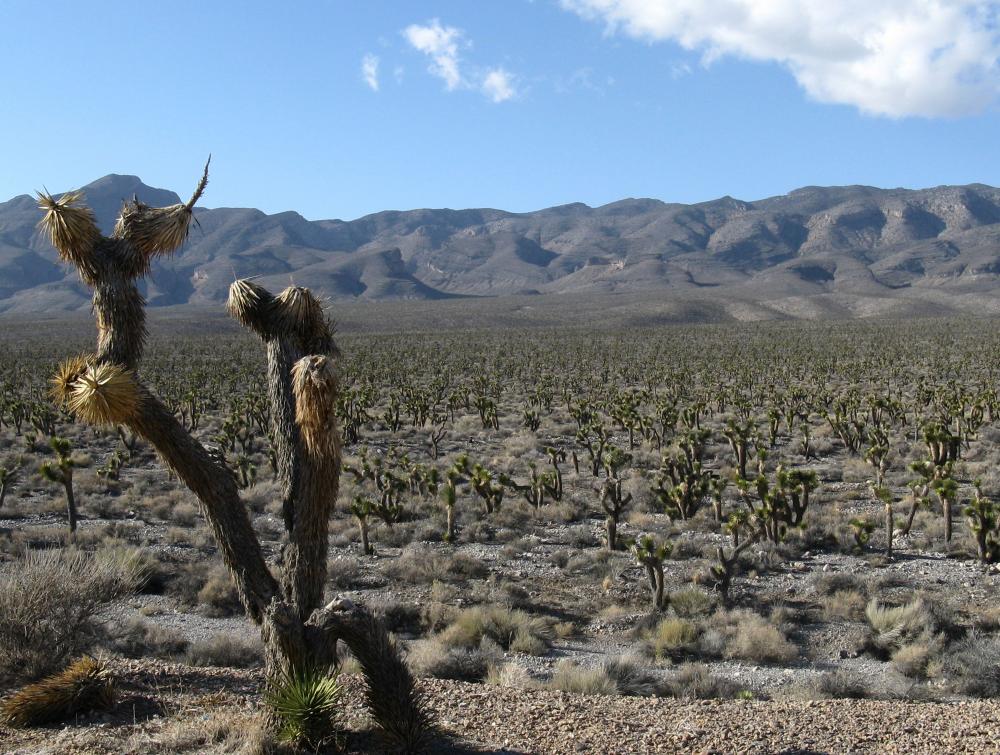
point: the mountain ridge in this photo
(854, 249)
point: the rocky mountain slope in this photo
(815, 252)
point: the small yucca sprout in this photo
(306, 704)
(104, 394)
(70, 225)
(68, 372)
(249, 304)
(314, 383)
(85, 685)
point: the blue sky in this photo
(504, 103)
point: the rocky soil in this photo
(173, 708)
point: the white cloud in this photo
(440, 43)
(498, 85)
(369, 71)
(887, 57)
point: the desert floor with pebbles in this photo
(172, 708)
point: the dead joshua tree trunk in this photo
(104, 388)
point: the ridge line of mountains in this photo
(816, 252)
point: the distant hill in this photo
(816, 252)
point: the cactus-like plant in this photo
(650, 554)
(303, 395)
(61, 471)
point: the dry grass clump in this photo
(674, 637)
(569, 676)
(225, 650)
(510, 628)
(85, 685)
(218, 596)
(746, 636)
(972, 666)
(844, 605)
(49, 603)
(222, 732)
(419, 564)
(631, 675)
(436, 659)
(694, 681)
(509, 675)
(840, 685)
(142, 639)
(891, 627)
(691, 603)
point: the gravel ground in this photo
(156, 698)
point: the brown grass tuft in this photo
(85, 685)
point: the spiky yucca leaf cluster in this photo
(68, 372)
(298, 311)
(85, 685)
(306, 704)
(70, 225)
(314, 383)
(101, 394)
(250, 305)
(158, 230)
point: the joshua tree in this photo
(61, 471)
(449, 496)
(983, 515)
(8, 476)
(650, 554)
(299, 633)
(362, 508)
(613, 500)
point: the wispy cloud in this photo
(888, 57)
(440, 43)
(369, 71)
(498, 85)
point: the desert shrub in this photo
(693, 681)
(419, 564)
(840, 685)
(225, 650)
(690, 603)
(631, 676)
(223, 731)
(399, 617)
(84, 686)
(509, 675)
(891, 627)
(972, 666)
(142, 639)
(218, 596)
(572, 677)
(848, 605)
(912, 660)
(674, 637)
(746, 636)
(760, 642)
(48, 607)
(346, 572)
(441, 661)
(509, 628)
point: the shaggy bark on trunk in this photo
(105, 388)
